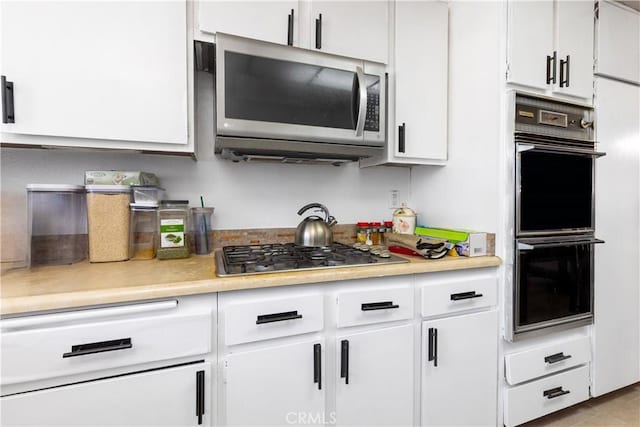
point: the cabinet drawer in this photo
(40, 352)
(540, 361)
(452, 297)
(535, 399)
(374, 306)
(272, 318)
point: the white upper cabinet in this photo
(357, 29)
(550, 46)
(418, 85)
(618, 42)
(351, 28)
(271, 21)
(97, 74)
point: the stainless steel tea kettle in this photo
(313, 230)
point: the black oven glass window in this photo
(555, 191)
(272, 90)
(554, 283)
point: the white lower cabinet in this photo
(274, 386)
(164, 397)
(375, 377)
(459, 370)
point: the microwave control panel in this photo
(372, 119)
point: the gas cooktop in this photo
(275, 258)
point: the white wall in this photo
(244, 195)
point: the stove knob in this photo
(585, 124)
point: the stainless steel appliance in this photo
(313, 230)
(554, 215)
(282, 102)
(274, 258)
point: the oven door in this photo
(554, 189)
(276, 92)
(553, 283)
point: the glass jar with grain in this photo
(173, 221)
(108, 222)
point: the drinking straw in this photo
(206, 229)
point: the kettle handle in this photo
(315, 205)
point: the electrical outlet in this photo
(394, 199)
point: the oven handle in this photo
(362, 112)
(529, 247)
(520, 147)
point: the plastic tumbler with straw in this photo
(201, 226)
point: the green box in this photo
(472, 243)
(120, 178)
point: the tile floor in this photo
(619, 408)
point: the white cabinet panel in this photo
(352, 28)
(374, 306)
(273, 386)
(618, 42)
(261, 20)
(97, 70)
(617, 275)
(459, 384)
(450, 297)
(165, 397)
(379, 369)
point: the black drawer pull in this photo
(199, 396)
(555, 358)
(555, 392)
(317, 365)
(432, 350)
(319, 32)
(99, 347)
(8, 114)
(278, 317)
(465, 295)
(370, 306)
(344, 360)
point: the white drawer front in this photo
(48, 352)
(374, 306)
(535, 399)
(529, 364)
(452, 297)
(272, 318)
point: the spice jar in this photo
(173, 222)
(108, 221)
(388, 228)
(144, 228)
(375, 233)
(361, 231)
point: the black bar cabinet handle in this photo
(433, 346)
(555, 392)
(319, 31)
(99, 347)
(8, 114)
(551, 67)
(384, 305)
(317, 365)
(199, 396)
(555, 358)
(278, 317)
(564, 71)
(290, 29)
(401, 132)
(465, 295)
(344, 360)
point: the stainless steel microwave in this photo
(282, 102)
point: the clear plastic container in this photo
(201, 219)
(108, 221)
(144, 229)
(147, 194)
(174, 226)
(57, 224)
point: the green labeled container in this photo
(173, 235)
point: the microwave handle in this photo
(362, 111)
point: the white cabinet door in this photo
(275, 386)
(97, 70)
(459, 383)
(575, 48)
(375, 378)
(165, 397)
(261, 20)
(421, 67)
(530, 41)
(616, 327)
(358, 29)
(618, 42)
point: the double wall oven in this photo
(554, 215)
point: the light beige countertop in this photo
(86, 284)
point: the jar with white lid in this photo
(404, 220)
(108, 221)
